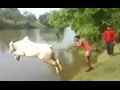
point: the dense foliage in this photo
(87, 22)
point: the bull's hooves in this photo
(18, 59)
(61, 69)
(58, 73)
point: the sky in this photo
(37, 11)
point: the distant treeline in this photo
(12, 18)
(43, 19)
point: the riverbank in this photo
(106, 68)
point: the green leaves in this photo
(88, 22)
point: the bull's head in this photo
(11, 46)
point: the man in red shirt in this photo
(110, 38)
(87, 47)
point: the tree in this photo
(88, 22)
(29, 16)
(43, 19)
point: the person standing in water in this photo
(88, 48)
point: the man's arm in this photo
(79, 44)
(76, 45)
(114, 37)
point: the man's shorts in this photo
(88, 53)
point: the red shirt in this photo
(109, 35)
(86, 46)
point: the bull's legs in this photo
(57, 71)
(58, 62)
(56, 65)
(17, 57)
(52, 62)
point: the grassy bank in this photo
(72, 60)
(106, 68)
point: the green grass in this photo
(106, 68)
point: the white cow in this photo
(26, 47)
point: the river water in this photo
(33, 69)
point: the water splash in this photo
(68, 38)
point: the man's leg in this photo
(111, 48)
(88, 60)
(108, 47)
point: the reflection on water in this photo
(29, 68)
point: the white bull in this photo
(26, 47)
